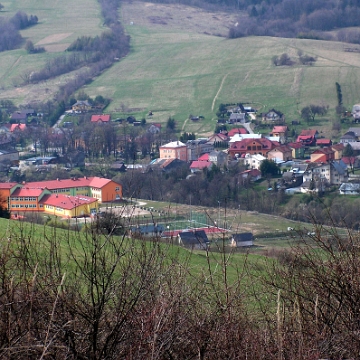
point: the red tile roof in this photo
(66, 202)
(9, 185)
(103, 118)
(95, 182)
(204, 157)
(266, 144)
(296, 145)
(349, 160)
(280, 129)
(200, 164)
(323, 142)
(26, 191)
(308, 133)
(241, 130)
(338, 147)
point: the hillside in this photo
(179, 65)
(180, 72)
(59, 25)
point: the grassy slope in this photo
(178, 73)
(70, 18)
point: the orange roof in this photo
(95, 182)
(66, 202)
(103, 118)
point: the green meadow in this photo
(177, 73)
(60, 23)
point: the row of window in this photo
(23, 199)
(23, 206)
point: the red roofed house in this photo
(252, 175)
(351, 162)
(252, 146)
(241, 131)
(307, 137)
(204, 157)
(323, 142)
(323, 155)
(282, 153)
(200, 165)
(104, 118)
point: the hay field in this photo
(180, 71)
(60, 23)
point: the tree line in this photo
(305, 19)
(10, 37)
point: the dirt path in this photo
(184, 124)
(218, 92)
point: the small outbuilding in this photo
(242, 239)
(194, 240)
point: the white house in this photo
(254, 161)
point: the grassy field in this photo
(181, 72)
(60, 23)
(178, 65)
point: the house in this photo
(38, 161)
(154, 129)
(104, 118)
(348, 137)
(352, 162)
(200, 165)
(333, 172)
(355, 130)
(237, 118)
(174, 150)
(167, 165)
(19, 117)
(11, 156)
(195, 148)
(323, 142)
(241, 131)
(349, 189)
(251, 175)
(273, 116)
(242, 239)
(204, 157)
(292, 179)
(280, 153)
(147, 230)
(297, 150)
(104, 190)
(194, 240)
(253, 161)
(280, 132)
(118, 166)
(323, 155)
(17, 127)
(338, 151)
(81, 106)
(356, 112)
(251, 146)
(307, 137)
(218, 158)
(216, 138)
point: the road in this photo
(247, 126)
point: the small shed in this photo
(242, 239)
(194, 239)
